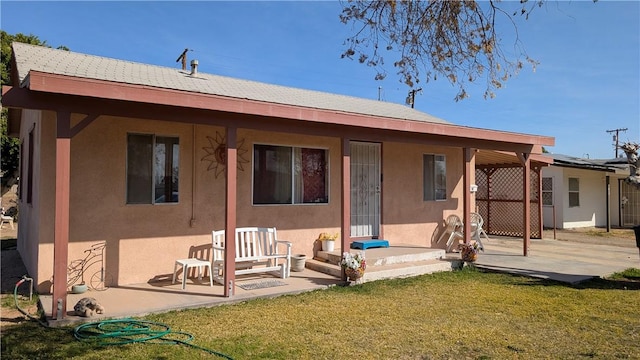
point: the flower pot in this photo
(328, 245)
(354, 274)
(468, 255)
(79, 288)
(298, 262)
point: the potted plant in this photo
(353, 265)
(469, 252)
(328, 240)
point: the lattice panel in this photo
(499, 201)
(483, 184)
(506, 218)
(506, 184)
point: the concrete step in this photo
(395, 254)
(387, 271)
(323, 267)
(405, 269)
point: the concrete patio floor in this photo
(566, 261)
(162, 296)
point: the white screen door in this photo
(365, 189)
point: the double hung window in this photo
(574, 192)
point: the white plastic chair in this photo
(452, 223)
(197, 259)
(6, 219)
(477, 224)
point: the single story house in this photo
(150, 159)
(579, 192)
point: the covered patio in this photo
(564, 261)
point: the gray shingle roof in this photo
(593, 164)
(60, 62)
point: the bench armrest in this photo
(217, 250)
(286, 243)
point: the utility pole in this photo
(616, 137)
(411, 98)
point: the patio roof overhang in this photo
(507, 159)
(46, 91)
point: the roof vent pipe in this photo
(194, 67)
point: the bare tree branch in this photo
(453, 39)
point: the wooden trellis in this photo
(499, 200)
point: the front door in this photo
(365, 189)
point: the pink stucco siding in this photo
(144, 240)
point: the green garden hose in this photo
(128, 331)
(124, 331)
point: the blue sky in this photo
(587, 82)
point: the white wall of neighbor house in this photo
(592, 210)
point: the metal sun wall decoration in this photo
(216, 154)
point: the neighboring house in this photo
(589, 192)
(136, 155)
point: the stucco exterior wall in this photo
(35, 233)
(407, 218)
(143, 241)
(299, 223)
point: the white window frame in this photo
(575, 192)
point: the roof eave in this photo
(584, 167)
(62, 84)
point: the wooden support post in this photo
(607, 202)
(230, 213)
(346, 197)
(540, 215)
(61, 230)
(525, 159)
(466, 194)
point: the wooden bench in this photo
(256, 252)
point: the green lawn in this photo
(453, 315)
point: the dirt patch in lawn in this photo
(12, 271)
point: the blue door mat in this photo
(366, 244)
